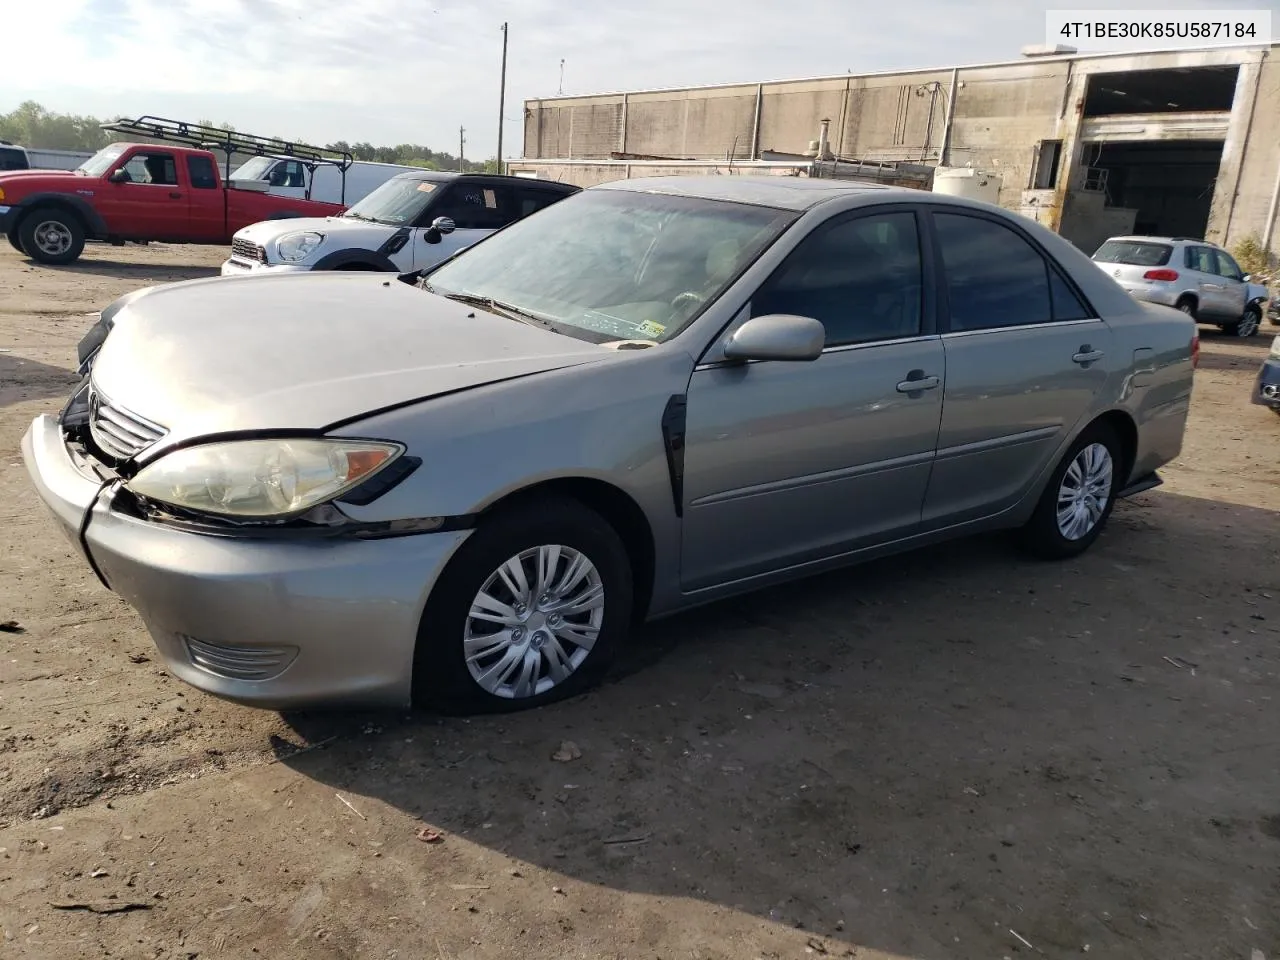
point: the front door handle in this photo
(175, 195)
(917, 381)
(1086, 354)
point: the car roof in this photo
(1143, 239)
(447, 176)
(787, 193)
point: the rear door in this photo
(476, 207)
(152, 203)
(1211, 289)
(206, 216)
(1025, 360)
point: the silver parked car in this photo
(653, 394)
(1195, 276)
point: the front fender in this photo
(354, 255)
(93, 222)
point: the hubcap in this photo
(1084, 492)
(52, 238)
(534, 622)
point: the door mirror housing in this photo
(119, 176)
(777, 336)
(439, 227)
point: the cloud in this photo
(390, 71)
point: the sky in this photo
(414, 71)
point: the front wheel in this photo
(530, 610)
(1078, 498)
(15, 242)
(1247, 325)
(50, 235)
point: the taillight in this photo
(1195, 350)
(1168, 276)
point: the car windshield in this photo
(396, 202)
(103, 160)
(255, 169)
(1134, 252)
(614, 264)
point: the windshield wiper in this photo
(500, 308)
(359, 216)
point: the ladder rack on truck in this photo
(231, 142)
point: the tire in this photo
(1188, 306)
(442, 678)
(1043, 535)
(1247, 326)
(51, 235)
(15, 242)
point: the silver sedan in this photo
(464, 488)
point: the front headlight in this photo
(1275, 349)
(296, 246)
(261, 478)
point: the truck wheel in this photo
(51, 235)
(14, 242)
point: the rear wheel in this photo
(51, 235)
(530, 610)
(1078, 498)
(1188, 306)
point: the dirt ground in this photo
(948, 755)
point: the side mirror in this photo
(1247, 278)
(777, 336)
(119, 176)
(443, 225)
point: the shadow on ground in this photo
(924, 752)
(22, 379)
(98, 262)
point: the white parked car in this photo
(324, 181)
(410, 223)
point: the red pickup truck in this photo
(135, 191)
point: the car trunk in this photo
(1129, 261)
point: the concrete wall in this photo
(992, 117)
(1259, 164)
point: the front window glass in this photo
(613, 264)
(397, 202)
(103, 160)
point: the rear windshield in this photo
(1134, 252)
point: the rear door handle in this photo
(1087, 354)
(917, 381)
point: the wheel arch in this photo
(94, 225)
(617, 508)
(354, 258)
(1122, 422)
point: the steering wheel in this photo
(678, 300)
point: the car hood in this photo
(335, 230)
(27, 180)
(307, 351)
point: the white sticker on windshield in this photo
(426, 187)
(651, 329)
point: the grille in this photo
(247, 250)
(118, 433)
(238, 663)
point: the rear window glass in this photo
(1134, 252)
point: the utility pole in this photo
(462, 143)
(502, 96)
(561, 78)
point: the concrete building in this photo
(1183, 142)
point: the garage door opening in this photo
(1168, 184)
(1180, 90)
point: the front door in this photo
(1025, 360)
(1235, 292)
(150, 204)
(477, 208)
(787, 462)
